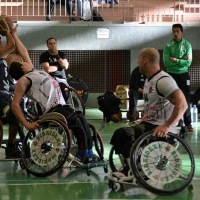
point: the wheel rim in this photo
(169, 171)
(46, 153)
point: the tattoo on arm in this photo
(172, 96)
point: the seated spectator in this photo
(85, 9)
(55, 63)
(163, 106)
(52, 3)
(43, 89)
(112, 2)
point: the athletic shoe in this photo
(79, 155)
(190, 128)
(72, 19)
(91, 155)
(89, 158)
(48, 18)
(113, 3)
(12, 151)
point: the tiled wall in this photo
(103, 70)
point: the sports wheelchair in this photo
(46, 149)
(164, 166)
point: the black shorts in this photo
(5, 100)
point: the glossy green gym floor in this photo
(73, 184)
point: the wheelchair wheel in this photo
(46, 149)
(116, 161)
(100, 142)
(164, 166)
(77, 101)
(97, 142)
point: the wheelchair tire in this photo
(77, 101)
(97, 142)
(116, 161)
(100, 142)
(164, 166)
(46, 149)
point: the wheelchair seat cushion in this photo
(123, 138)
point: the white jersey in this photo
(44, 90)
(157, 108)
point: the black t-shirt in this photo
(51, 59)
(137, 80)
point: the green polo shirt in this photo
(177, 50)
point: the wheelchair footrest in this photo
(89, 166)
(10, 159)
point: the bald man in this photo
(164, 104)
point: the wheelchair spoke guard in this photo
(164, 166)
(46, 149)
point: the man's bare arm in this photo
(63, 63)
(20, 89)
(21, 49)
(10, 43)
(48, 68)
(177, 98)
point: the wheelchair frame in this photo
(75, 100)
(163, 166)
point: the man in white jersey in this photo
(164, 104)
(43, 89)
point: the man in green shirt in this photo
(177, 57)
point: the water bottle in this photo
(195, 113)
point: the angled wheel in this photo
(116, 161)
(164, 166)
(76, 101)
(80, 87)
(46, 149)
(97, 142)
